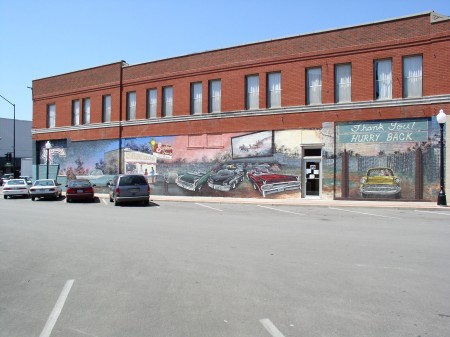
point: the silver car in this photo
(129, 188)
(16, 187)
(45, 188)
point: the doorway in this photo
(312, 182)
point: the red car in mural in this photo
(267, 182)
(380, 182)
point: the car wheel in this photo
(32, 198)
(67, 200)
(116, 203)
(5, 197)
(110, 199)
(146, 202)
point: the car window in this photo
(79, 184)
(132, 180)
(16, 182)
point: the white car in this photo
(16, 187)
(45, 188)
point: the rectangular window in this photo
(412, 76)
(313, 86)
(106, 109)
(343, 83)
(151, 103)
(215, 95)
(383, 79)
(252, 88)
(86, 111)
(167, 101)
(131, 105)
(274, 90)
(51, 115)
(76, 112)
(196, 98)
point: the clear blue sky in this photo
(42, 38)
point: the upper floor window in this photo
(383, 79)
(343, 85)
(215, 95)
(151, 103)
(274, 90)
(167, 101)
(106, 109)
(196, 98)
(314, 86)
(412, 76)
(51, 115)
(76, 112)
(131, 105)
(86, 111)
(252, 89)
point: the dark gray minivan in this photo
(129, 188)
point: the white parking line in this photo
(216, 209)
(371, 214)
(442, 213)
(271, 328)
(280, 210)
(51, 321)
(105, 201)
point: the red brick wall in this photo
(360, 46)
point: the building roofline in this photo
(124, 64)
(286, 37)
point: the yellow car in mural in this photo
(380, 182)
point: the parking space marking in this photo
(363, 213)
(216, 209)
(271, 328)
(441, 213)
(281, 210)
(105, 201)
(51, 321)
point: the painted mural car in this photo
(380, 182)
(226, 179)
(192, 180)
(267, 182)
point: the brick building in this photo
(304, 116)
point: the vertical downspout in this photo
(123, 63)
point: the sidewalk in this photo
(296, 202)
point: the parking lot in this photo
(222, 269)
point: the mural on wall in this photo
(239, 164)
(387, 159)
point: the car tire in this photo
(32, 198)
(110, 199)
(116, 203)
(5, 197)
(67, 200)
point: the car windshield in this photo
(44, 183)
(80, 183)
(380, 173)
(16, 182)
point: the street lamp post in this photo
(48, 146)
(442, 199)
(14, 135)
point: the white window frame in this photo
(196, 98)
(412, 76)
(86, 114)
(274, 90)
(106, 108)
(167, 101)
(152, 102)
(51, 115)
(383, 79)
(131, 105)
(252, 88)
(314, 85)
(343, 83)
(76, 112)
(215, 96)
